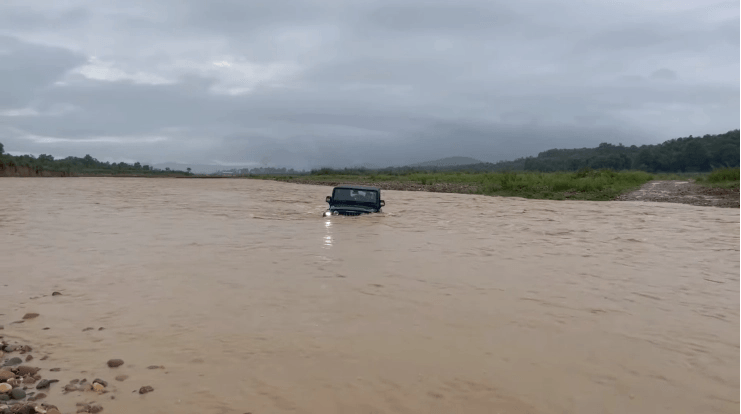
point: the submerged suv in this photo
(354, 200)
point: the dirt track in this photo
(684, 192)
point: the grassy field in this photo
(584, 185)
(594, 185)
(720, 178)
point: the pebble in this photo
(98, 387)
(18, 393)
(113, 363)
(88, 329)
(122, 377)
(101, 382)
(29, 357)
(87, 408)
(30, 315)
(146, 389)
(55, 369)
(45, 383)
(56, 294)
(155, 367)
(37, 396)
(6, 375)
(23, 409)
(53, 411)
(26, 370)
(29, 380)
(13, 361)
(5, 387)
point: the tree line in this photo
(690, 154)
(77, 165)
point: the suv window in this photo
(356, 196)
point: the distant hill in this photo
(688, 154)
(447, 162)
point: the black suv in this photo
(354, 200)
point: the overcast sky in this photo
(340, 83)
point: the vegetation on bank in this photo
(586, 184)
(81, 166)
(600, 173)
(681, 155)
(721, 178)
(712, 161)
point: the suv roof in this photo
(359, 187)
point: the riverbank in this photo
(589, 185)
(33, 380)
(593, 186)
(684, 192)
(27, 382)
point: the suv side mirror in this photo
(329, 199)
(383, 203)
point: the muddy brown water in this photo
(444, 303)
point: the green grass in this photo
(596, 185)
(678, 176)
(722, 178)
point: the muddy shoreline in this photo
(25, 386)
(31, 382)
(673, 191)
(684, 192)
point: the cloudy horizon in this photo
(313, 83)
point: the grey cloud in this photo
(443, 18)
(383, 83)
(664, 73)
(26, 70)
(29, 19)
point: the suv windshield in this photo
(350, 196)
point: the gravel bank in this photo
(684, 192)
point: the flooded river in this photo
(446, 303)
